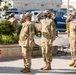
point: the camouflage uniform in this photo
(14, 21)
(26, 41)
(73, 39)
(68, 20)
(48, 33)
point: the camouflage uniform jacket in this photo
(14, 22)
(48, 29)
(73, 29)
(27, 34)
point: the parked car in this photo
(61, 21)
(12, 9)
(61, 24)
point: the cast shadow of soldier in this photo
(16, 70)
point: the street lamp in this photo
(68, 8)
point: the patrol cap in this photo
(47, 12)
(28, 14)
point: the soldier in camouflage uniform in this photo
(73, 40)
(48, 36)
(26, 41)
(68, 20)
(13, 20)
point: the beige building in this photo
(33, 4)
(72, 4)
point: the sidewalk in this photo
(59, 67)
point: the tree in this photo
(5, 8)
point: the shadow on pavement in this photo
(10, 59)
(10, 69)
(16, 70)
(63, 57)
(56, 72)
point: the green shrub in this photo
(36, 31)
(9, 39)
(39, 33)
(6, 28)
(15, 38)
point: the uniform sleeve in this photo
(38, 17)
(23, 35)
(24, 32)
(71, 25)
(73, 30)
(53, 30)
(15, 22)
(31, 31)
(67, 20)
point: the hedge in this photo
(6, 28)
(9, 39)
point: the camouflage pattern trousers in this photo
(73, 48)
(26, 54)
(47, 53)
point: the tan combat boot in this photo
(48, 67)
(44, 67)
(22, 70)
(72, 63)
(26, 70)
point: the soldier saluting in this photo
(13, 20)
(26, 41)
(48, 36)
(73, 40)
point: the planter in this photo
(12, 51)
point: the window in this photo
(58, 5)
(35, 13)
(42, 5)
(26, 4)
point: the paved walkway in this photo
(59, 67)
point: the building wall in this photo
(26, 6)
(36, 4)
(73, 4)
(40, 4)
